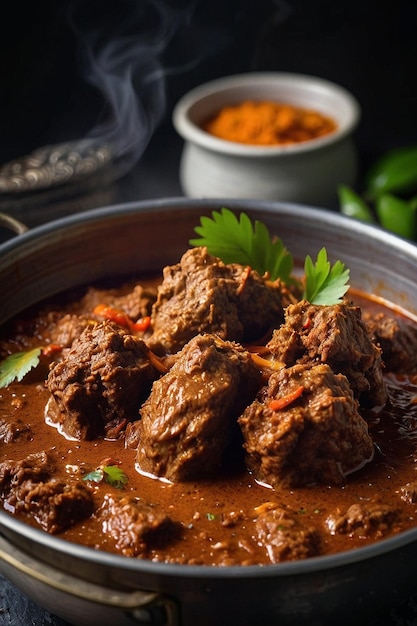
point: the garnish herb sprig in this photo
(236, 240)
(110, 474)
(324, 283)
(17, 365)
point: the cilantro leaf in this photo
(115, 476)
(325, 284)
(110, 474)
(17, 365)
(97, 475)
(236, 240)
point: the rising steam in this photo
(121, 57)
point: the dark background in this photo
(47, 90)
(91, 67)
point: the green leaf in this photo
(394, 172)
(96, 476)
(325, 284)
(236, 240)
(115, 476)
(352, 205)
(110, 474)
(413, 203)
(17, 365)
(396, 215)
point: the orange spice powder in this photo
(268, 123)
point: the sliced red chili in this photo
(142, 324)
(121, 318)
(51, 349)
(112, 314)
(282, 403)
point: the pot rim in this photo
(405, 249)
(207, 94)
(326, 216)
(100, 558)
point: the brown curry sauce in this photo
(216, 517)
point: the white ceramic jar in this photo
(307, 172)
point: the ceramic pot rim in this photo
(209, 97)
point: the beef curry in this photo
(211, 417)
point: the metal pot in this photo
(89, 587)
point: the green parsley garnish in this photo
(17, 365)
(110, 474)
(236, 240)
(325, 283)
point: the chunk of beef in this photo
(202, 294)
(304, 427)
(136, 526)
(35, 467)
(14, 431)
(68, 328)
(189, 419)
(335, 335)
(366, 519)
(283, 534)
(397, 339)
(132, 435)
(100, 383)
(56, 505)
(136, 302)
(64, 329)
(28, 487)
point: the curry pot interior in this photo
(119, 240)
(146, 236)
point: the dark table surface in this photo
(368, 48)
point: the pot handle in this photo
(144, 607)
(7, 221)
